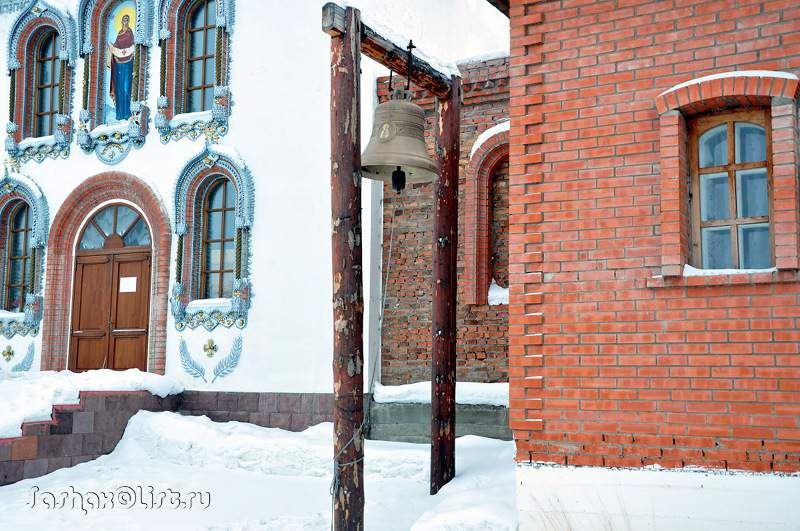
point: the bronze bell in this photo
(396, 152)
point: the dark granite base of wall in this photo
(75, 433)
(290, 411)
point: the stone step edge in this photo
(34, 427)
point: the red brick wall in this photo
(611, 364)
(482, 329)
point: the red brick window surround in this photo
(774, 92)
(92, 192)
(489, 153)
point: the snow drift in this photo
(267, 478)
(30, 396)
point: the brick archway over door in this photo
(60, 263)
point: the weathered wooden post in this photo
(445, 247)
(348, 302)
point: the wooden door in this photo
(130, 304)
(111, 293)
(91, 308)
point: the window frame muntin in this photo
(112, 250)
(188, 58)
(698, 125)
(216, 181)
(28, 259)
(56, 83)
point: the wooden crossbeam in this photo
(384, 51)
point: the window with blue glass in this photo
(731, 191)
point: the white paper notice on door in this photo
(127, 284)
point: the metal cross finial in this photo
(410, 64)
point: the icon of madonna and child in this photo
(119, 62)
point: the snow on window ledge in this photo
(210, 305)
(472, 393)
(692, 276)
(190, 118)
(35, 142)
(109, 129)
(497, 295)
(689, 271)
(7, 317)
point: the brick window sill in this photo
(781, 276)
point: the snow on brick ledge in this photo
(497, 295)
(473, 393)
(689, 271)
(29, 397)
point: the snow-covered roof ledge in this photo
(501, 127)
(492, 55)
(332, 10)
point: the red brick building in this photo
(633, 166)
(483, 243)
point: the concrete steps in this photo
(412, 422)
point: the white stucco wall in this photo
(280, 126)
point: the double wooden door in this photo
(110, 312)
(111, 293)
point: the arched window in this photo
(219, 240)
(194, 36)
(486, 206)
(114, 227)
(213, 216)
(19, 257)
(498, 237)
(48, 79)
(201, 50)
(24, 219)
(731, 181)
(42, 52)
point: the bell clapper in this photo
(398, 179)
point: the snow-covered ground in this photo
(493, 394)
(567, 497)
(30, 396)
(265, 478)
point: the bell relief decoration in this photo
(42, 53)
(114, 117)
(194, 97)
(213, 217)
